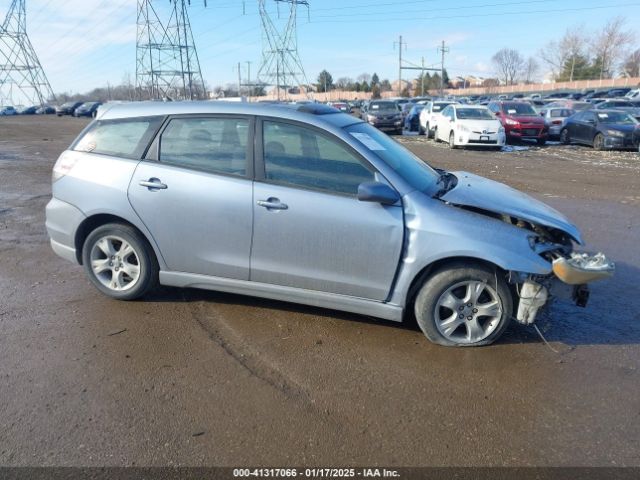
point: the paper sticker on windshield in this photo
(603, 115)
(511, 111)
(369, 142)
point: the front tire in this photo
(598, 142)
(119, 261)
(452, 141)
(565, 139)
(464, 304)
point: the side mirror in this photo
(377, 192)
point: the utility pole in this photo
(239, 82)
(400, 43)
(422, 79)
(249, 77)
(442, 49)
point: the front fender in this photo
(436, 231)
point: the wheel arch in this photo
(429, 269)
(92, 222)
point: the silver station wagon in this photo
(305, 204)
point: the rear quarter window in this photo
(126, 138)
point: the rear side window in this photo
(215, 145)
(122, 138)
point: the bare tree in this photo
(343, 82)
(364, 77)
(508, 63)
(556, 54)
(530, 69)
(632, 64)
(610, 44)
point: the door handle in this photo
(153, 184)
(272, 204)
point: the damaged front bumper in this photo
(570, 279)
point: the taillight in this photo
(63, 165)
(557, 122)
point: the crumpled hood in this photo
(476, 191)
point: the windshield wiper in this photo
(448, 181)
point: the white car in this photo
(429, 115)
(633, 94)
(472, 125)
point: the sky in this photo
(84, 44)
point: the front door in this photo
(196, 199)
(310, 230)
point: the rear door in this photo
(310, 230)
(194, 194)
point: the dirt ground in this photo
(189, 377)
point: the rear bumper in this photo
(62, 222)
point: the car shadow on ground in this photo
(611, 318)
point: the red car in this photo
(520, 121)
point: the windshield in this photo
(474, 114)
(413, 170)
(518, 109)
(620, 118)
(383, 106)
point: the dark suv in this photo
(520, 121)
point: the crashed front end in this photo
(550, 235)
(571, 272)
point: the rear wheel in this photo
(598, 142)
(564, 137)
(464, 304)
(119, 261)
(541, 141)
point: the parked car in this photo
(412, 120)
(384, 115)
(87, 109)
(30, 110)
(617, 92)
(633, 94)
(429, 115)
(469, 125)
(571, 104)
(8, 111)
(554, 119)
(67, 108)
(520, 121)
(609, 104)
(602, 129)
(176, 194)
(46, 110)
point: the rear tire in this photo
(466, 289)
(541, 142)
(119, 261)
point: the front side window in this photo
(123, 138)
(302, 157)
(214, 145)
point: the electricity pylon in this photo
(22, 79)
(167, 65)
(281, 66)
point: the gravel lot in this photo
(203, 378)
